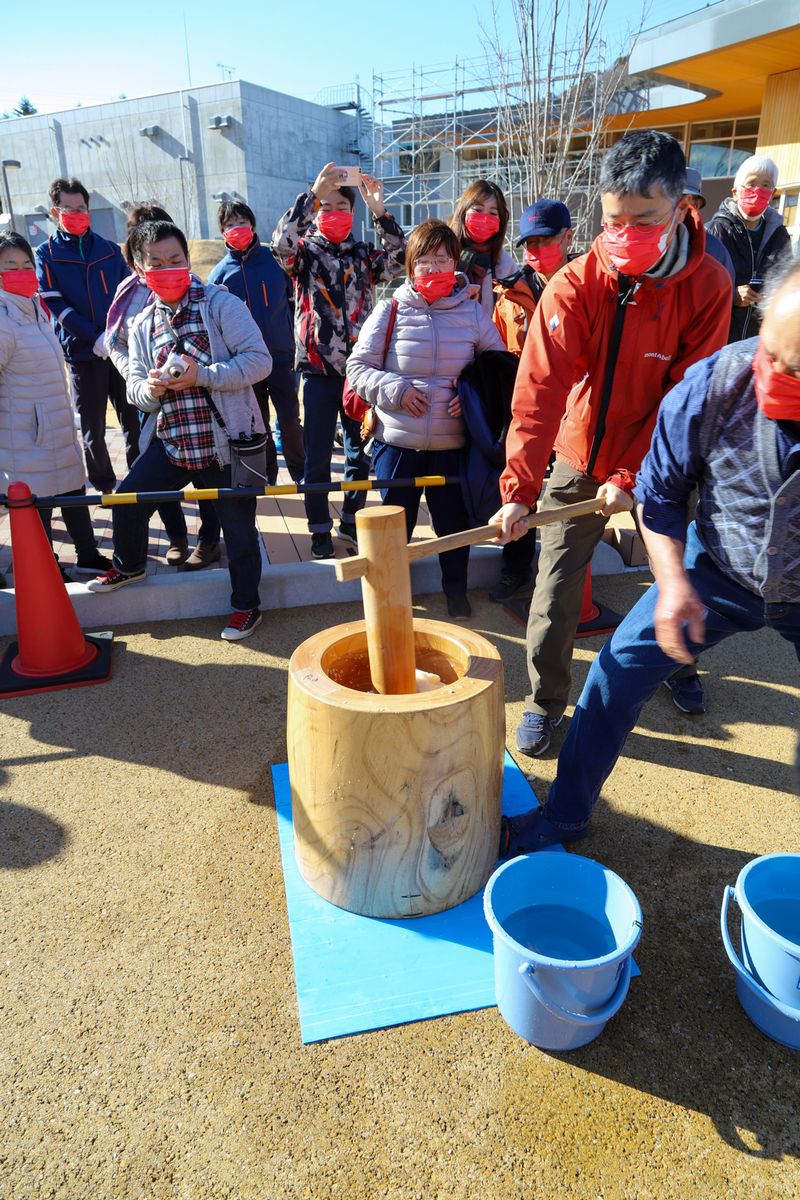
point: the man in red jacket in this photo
(612, 333)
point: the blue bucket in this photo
(777, 1020)
(564, 931)
(768, 894)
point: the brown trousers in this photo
(565, 551)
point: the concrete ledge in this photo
(290, 585)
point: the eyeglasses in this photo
(442, 262)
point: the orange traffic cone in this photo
(52, 651)
(595, 618)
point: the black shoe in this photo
(510, 584)
(67, 578)
(347, 532)
(322, 546)
(458, 607)
(688, 694)
(94, 564)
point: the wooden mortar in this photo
(396, 798)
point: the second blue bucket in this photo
(564, 928)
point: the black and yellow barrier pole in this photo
(111, 499)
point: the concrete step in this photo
(290, 585)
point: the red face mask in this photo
(754, 200)
(546, 258)
(335, 226)
(238, 237)
(20, 283)
(75, 222)
(777, 393)
(481, 226)
(436, 285)
(168, 283)
(634, 251)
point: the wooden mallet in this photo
(383, 566)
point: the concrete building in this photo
(184, 149)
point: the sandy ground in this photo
(150, 1044)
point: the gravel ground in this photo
(150, 1044)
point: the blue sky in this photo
(94, 51)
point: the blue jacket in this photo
(712, 434)
(78, 277)
(255, 277)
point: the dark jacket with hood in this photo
(485, 389)
(728, 226)
(255, 277)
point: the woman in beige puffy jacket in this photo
(438, 331)
(38, 438)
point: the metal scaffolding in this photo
(437, 129)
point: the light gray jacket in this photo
(239, 358)
(430, 346)
(38, 436)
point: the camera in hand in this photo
(756, 283)
(173, 366)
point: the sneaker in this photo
(322, 546)
(178, 552)
(241, 625)
(67, 578)
(458, 607)
(203, 555)
(95, 564)
(113, 579)
(347, 532)
(534, 732)
(510, 584)
(688, 694)
(532, 831)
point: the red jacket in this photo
(563, 372)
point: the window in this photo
(718, 148)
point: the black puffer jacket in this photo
(728, 226)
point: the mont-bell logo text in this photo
(658, 354)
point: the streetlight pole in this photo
(8, 164)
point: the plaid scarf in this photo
(185, 424)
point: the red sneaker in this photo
(241, 625)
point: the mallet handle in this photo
(355, 567)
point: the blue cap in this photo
(545, 218)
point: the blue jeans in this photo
(322, 405)
(630, 668)
(445, 504)
(154, 472)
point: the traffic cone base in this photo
(97, 670)
(605, 620)
(595, 618)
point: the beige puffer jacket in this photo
(431, 344)
(38, 436)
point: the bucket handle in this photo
(598, 1016)
(786, 1009)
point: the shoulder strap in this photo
(390, 328)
